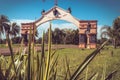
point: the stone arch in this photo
(56, 13)
(61, 14)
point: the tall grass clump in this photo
(32, 65)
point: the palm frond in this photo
(15, 29)
(110, 76)
(105, 27)
(4, 18)
(104, 34)
(1, 30)
(6, 26)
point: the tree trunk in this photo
(6, 43)
(114, 43)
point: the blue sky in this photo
(105, 11)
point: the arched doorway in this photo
(87, 28)
(63, 32)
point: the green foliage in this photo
(3, 20)
(112, 32)
(8, 28)
(64, 36)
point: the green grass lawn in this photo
(6, 46)
(102, 62)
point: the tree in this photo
(109, 32)
(11, 30)
(3, 20)
(8, 28)
(116, 23)
(16, 40)
(70, 36)
(64, 36)
(112, 32)
(76, 37)
(116, 26)
(57, 36)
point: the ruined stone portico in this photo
(87, 35)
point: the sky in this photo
(105, 11)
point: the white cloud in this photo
(45, 26)
(99, 31)
(19, 21)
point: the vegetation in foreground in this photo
(53, 65)
(106, 62)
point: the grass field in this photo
(104, 63)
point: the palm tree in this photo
(111, 33)
(11, 30)
(108, 32)
(8, 28)
(3, 20)
(116, 25)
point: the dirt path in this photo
(5, 51)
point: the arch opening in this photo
(63, 32)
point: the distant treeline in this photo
(62, 36)
(59, 36)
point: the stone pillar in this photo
(26, 38)
(88, 41)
